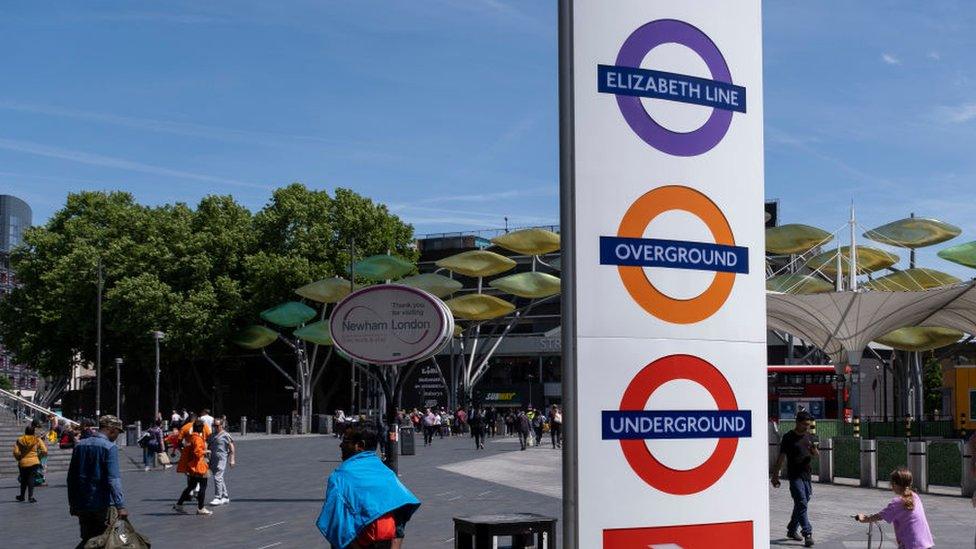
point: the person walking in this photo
(539, 425)
(491, 418)
(193, 463)
(94, 482)
(175, 418)
(522, 428)
(439, 423)
(905, 512)
(222, 454)
(152, 444)
(339, 423)
(476, 421)
(28, 451)
(556, 426)
(172, 440)
(207, 418)
(366, 506)
(429, 420)
(797, 449)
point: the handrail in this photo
(23, 401)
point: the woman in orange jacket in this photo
(28, 451)
(193, 462)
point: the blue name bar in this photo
(668, 85)
(675, 254)
(676, 424)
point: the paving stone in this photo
(277, 488)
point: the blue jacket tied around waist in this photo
(361, 490)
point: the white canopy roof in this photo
(843, 323)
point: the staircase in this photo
(10, 430)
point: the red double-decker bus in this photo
(811, 388)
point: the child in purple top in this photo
(906, 513)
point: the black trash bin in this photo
(131, 436)
(321, 424)
(408, 446)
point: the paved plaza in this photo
(276, 493)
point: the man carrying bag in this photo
(94, 485)
(118, 535)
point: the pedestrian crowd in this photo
(366, 506)
(480, 422)
(201, 443)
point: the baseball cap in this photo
(110, 421)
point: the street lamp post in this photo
(98, 341)
(118, 387)
(157, 337)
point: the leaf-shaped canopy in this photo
(289, 314)
(476, 263)
(316, 332)
(911, 280)
(479, 307)
(433, 283)
(794, 238)
(528, 241)
(963, 254)
(914, 232)
(796, 283)
(920, 338)
(868, 260)
(255, 337)
(327, 290)
(383, 267)
(529, 284)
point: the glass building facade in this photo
(15, 218)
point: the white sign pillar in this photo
(664, 317)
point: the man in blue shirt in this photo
(94, 483)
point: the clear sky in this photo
(447, 109)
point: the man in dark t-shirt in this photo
(797, 449)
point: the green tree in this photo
(5, 383)
(199, 275)
(932, 382)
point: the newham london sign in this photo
(391, 324)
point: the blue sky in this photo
(446, 109)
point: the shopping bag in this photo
(39, 479)
(163, 458)
(119, 534)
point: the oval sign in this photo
(390, 324)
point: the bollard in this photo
(908, 427)
(827, 461)
(267, 425)
(243, 426)
(138, 430)
(968, 483)
(857, 427)
(918, 465)
(165, 425)
(869, 463)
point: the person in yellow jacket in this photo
(28, 451)
(193, 462)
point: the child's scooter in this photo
(871, 526)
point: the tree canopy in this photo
(198, 274)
